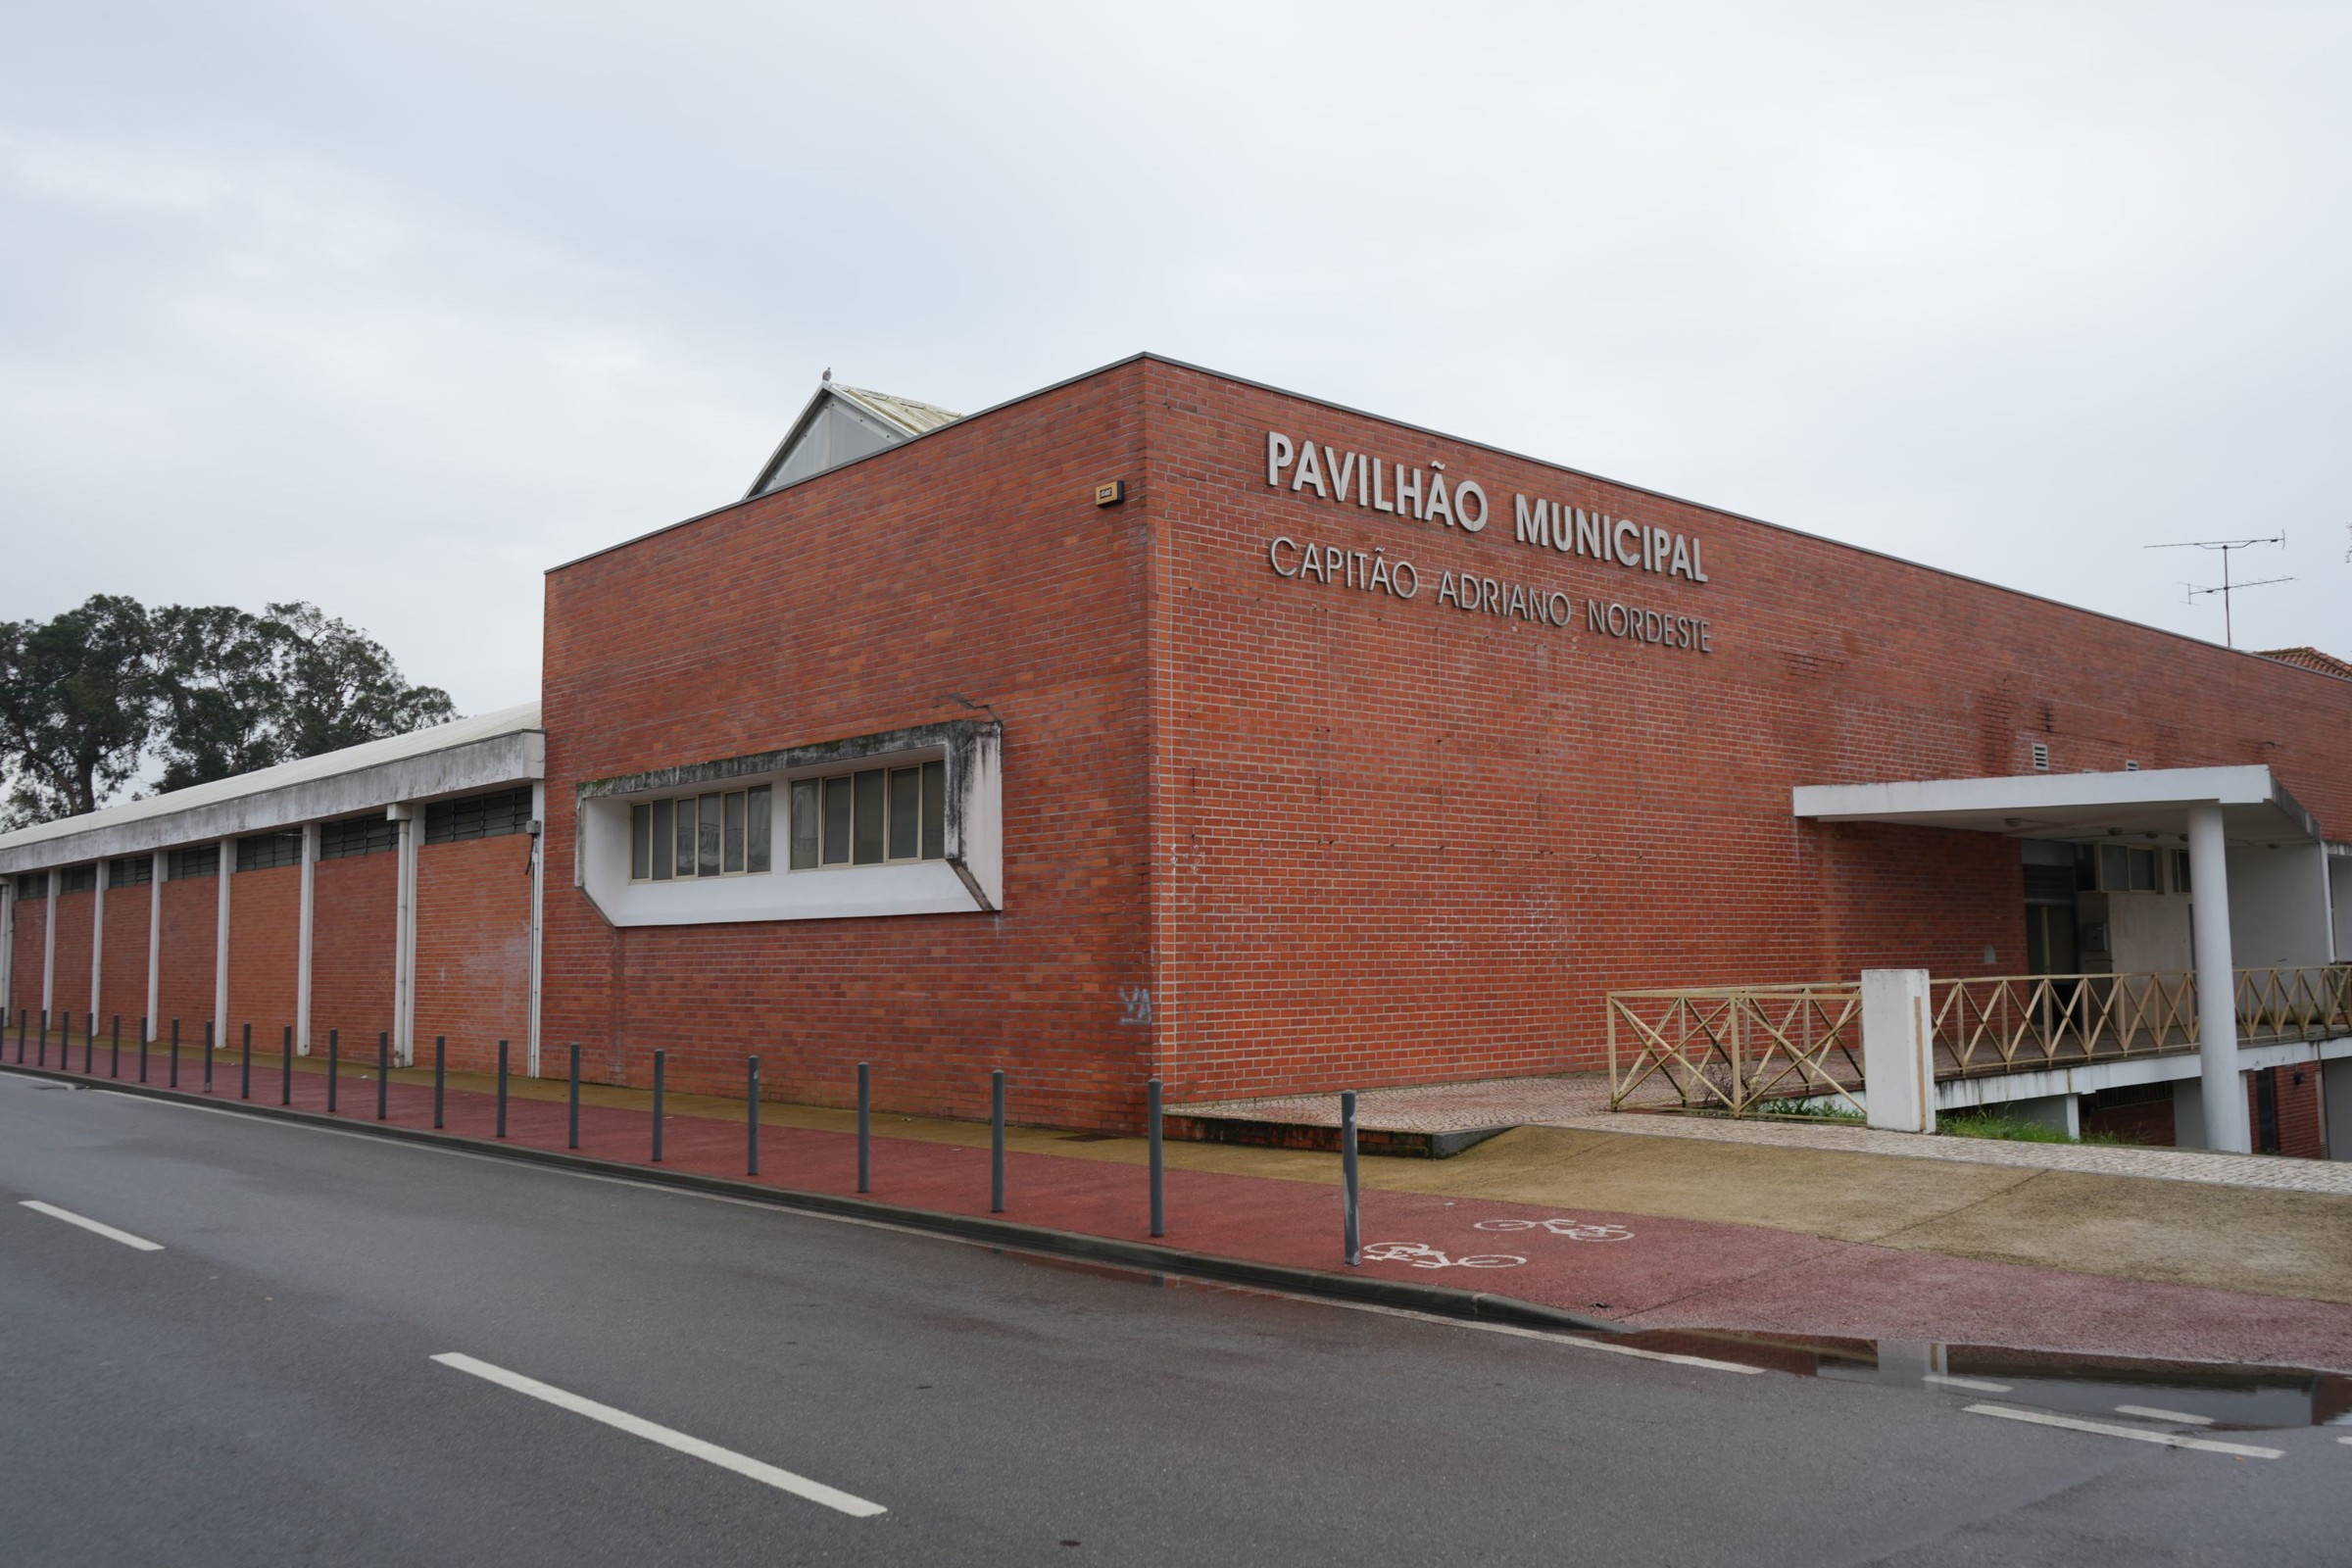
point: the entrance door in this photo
(2050, 945)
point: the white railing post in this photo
(1898, 1051)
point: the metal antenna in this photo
(2226, 587)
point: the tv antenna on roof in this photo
(2226, 587)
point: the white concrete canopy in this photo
(2256, 807)
(2258, 859)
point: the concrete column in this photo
(97, 931)
(49, 942)
(538, 908)
(154, 941)
(229, 869)
(1898, 1060)
(403, 936)
(2225, 1090)
(302, 948)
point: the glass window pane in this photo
(2113, 876)
(705, 862)
(755, 829)
(906, 813)
(730, 852)
(661, 839)
(685, 836)
(2180, 871)
(836, 819)
(2143, 870)
(935, 810)
(866, 849)
(641, 843)
(807, 816)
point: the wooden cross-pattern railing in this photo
(1733, 1048)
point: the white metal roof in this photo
(371, 775)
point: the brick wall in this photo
(2300, 1132)
(1399, 842)
(473, 951)
(264, 952)
(967, 573)
(24, 963)
(355, 908)
(186, 971)
(71, 993)
(122, 960)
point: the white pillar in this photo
(155, 941)
(49, 942)
(538, 906)
(403, 936)
(97, 931)
(1898, 1051)
(2224, 1092)
(229, 869)
(301, 947)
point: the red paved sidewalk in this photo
(1638, 1269)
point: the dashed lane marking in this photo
(2149, 1412)
(2107, 1429)
(669, 1438)
(1980, 1384)
(108, 1231)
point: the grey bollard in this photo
(865, 1127)
(1350, 1218)
(996, 1142)
(1159, 1198)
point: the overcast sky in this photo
(393, 307)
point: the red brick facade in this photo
(265, 952)
(473, 951)
(1336, 836)
(185, 970)
(122, 960)
(354, 904)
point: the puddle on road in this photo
(2187, 1396)
(2202, 1395)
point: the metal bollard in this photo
(245, 1067)
(1160, 1194)
(576, 1096)
(40, 1043)
(114, 1047)
(208, 1049)
(750, 1117)
(19, 1036)
(334, 1057)
(143, 1031)
(175, 1083)
(1349, 1215)
(89, 1043)
(440, 1075)
(383, 1069)
(865, 1127)
(502, 1089)
(285, 1069)
(996, 1142)
(659, 1059)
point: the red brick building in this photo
(1162, 722)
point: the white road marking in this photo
(2344, 1440)
(637, 1426)
(107, 1231)
(2149, 1412)
(1980, 1385)
(2106, 1428)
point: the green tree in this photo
(77, 707)
(242, 691)
(205, 690)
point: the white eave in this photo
(2255, 806)
(504, 747)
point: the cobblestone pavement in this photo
(1581, 1100)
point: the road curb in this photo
(1479, 1306)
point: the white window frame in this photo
(967, 876)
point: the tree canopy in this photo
(92, 698)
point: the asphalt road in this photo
(262, 1389)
